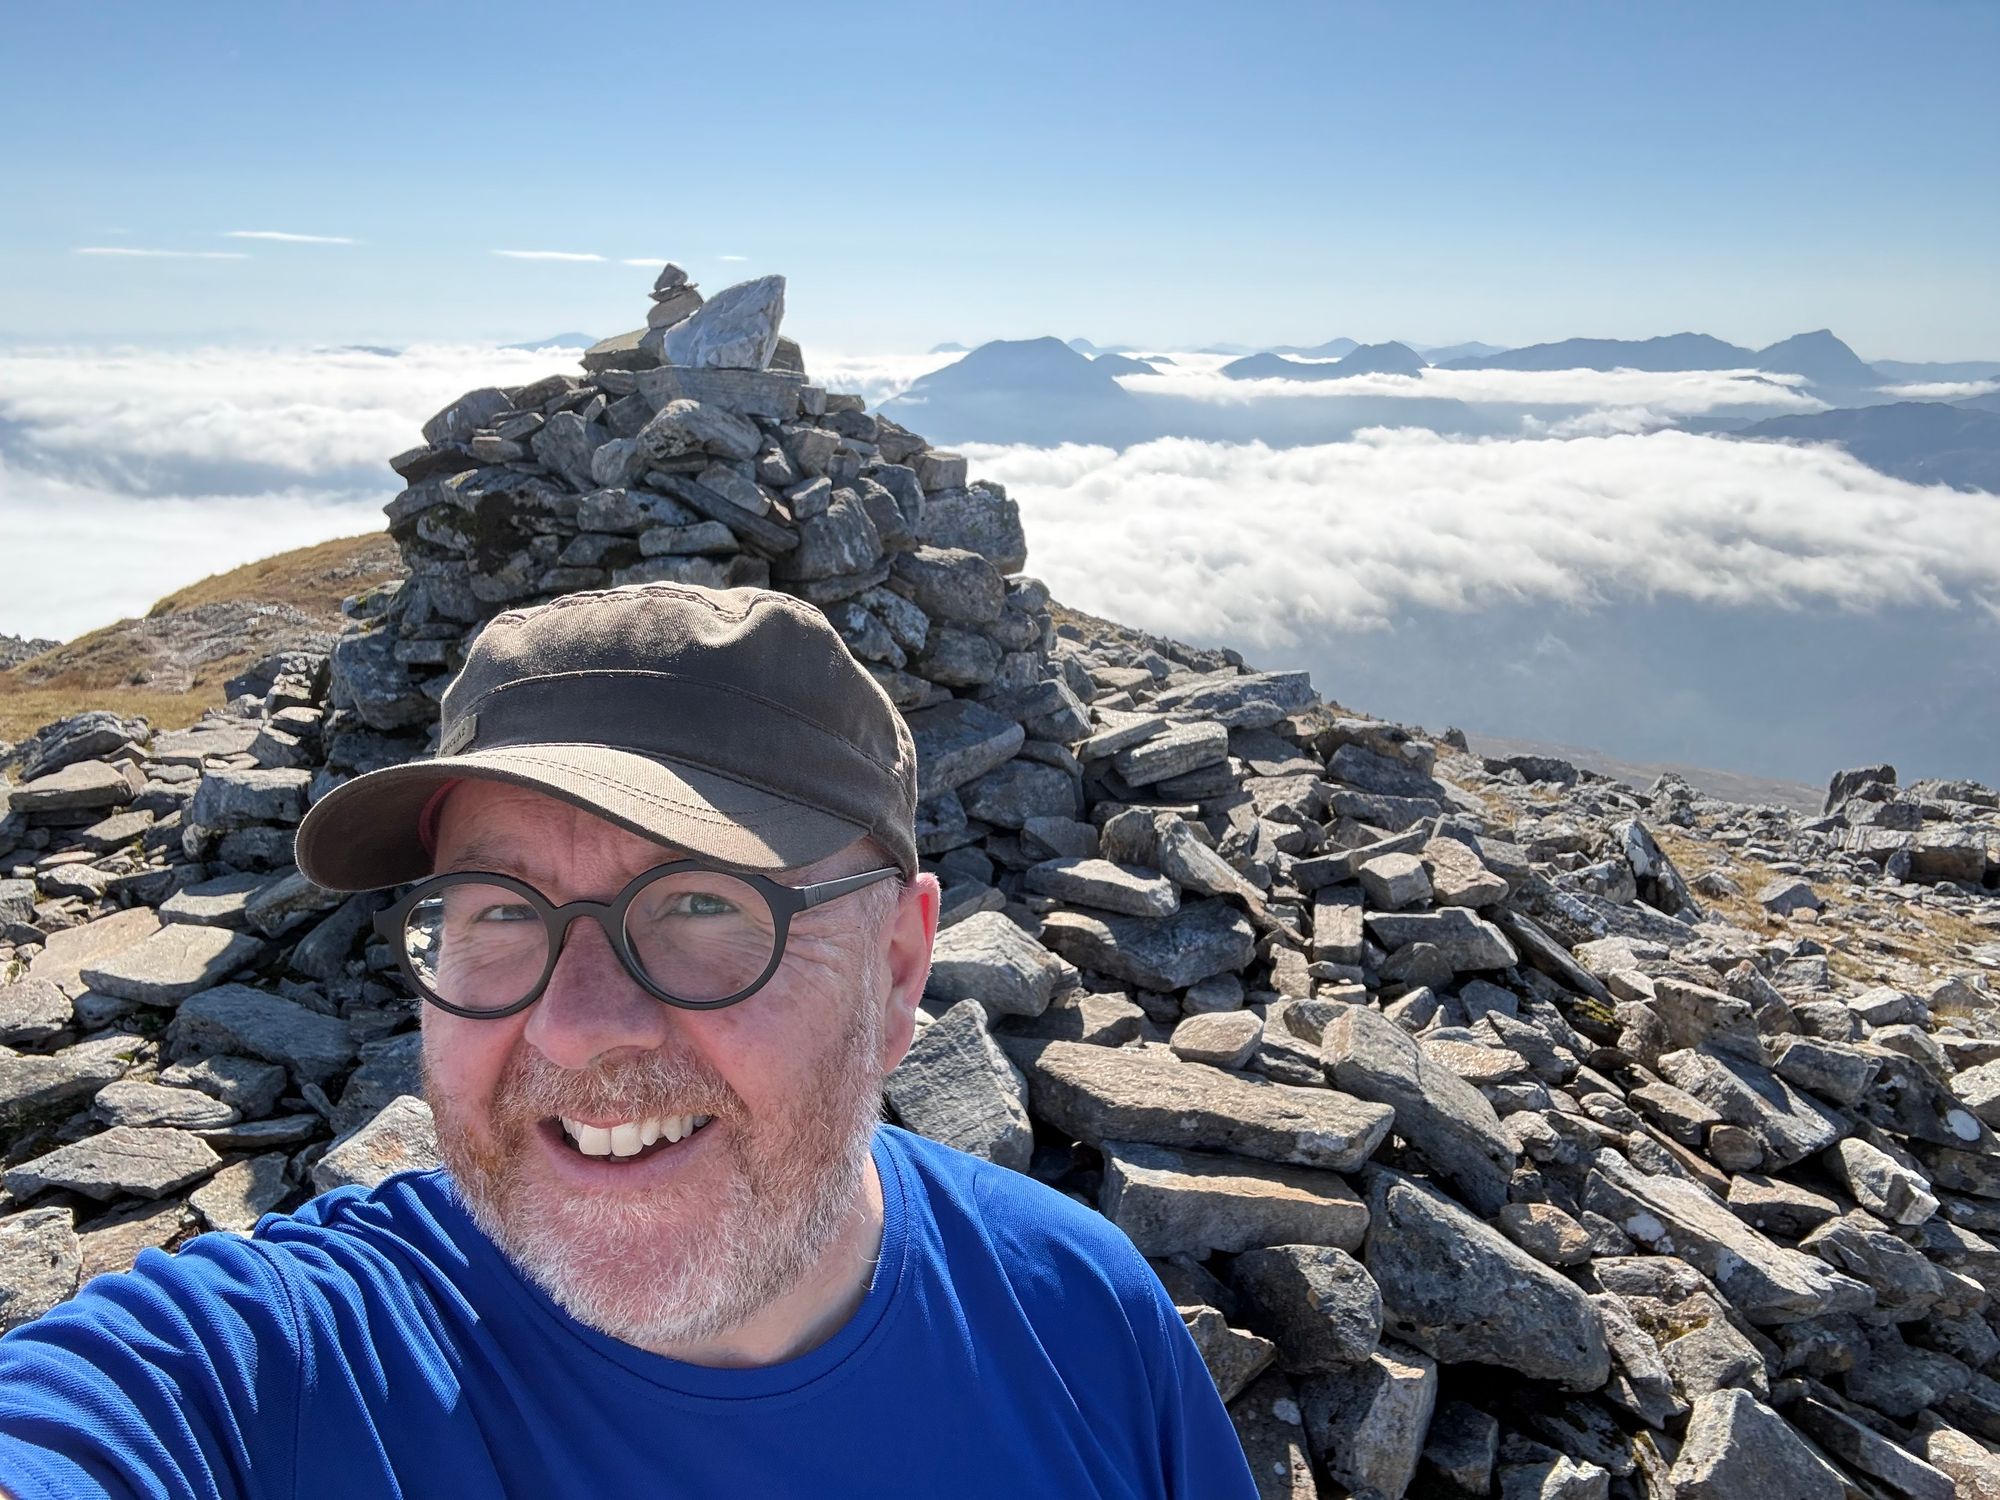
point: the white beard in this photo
(666, 1269)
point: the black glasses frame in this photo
(785, 902)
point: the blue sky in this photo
(1166, 174)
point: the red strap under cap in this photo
(427, 819)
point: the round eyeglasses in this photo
(484, 945)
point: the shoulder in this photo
(1050, 1247)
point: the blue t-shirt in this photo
(376, 1343)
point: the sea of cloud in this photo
(1272, 545)
(127, 473)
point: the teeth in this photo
(630, 1137)
(590, 1140)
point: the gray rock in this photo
(950, 584)
(1553, 1237)
(1462, 1446)
(1766, 1283)
(388, 1069)
(1173, 751)
(130, 1102)
(1150, 1096)
(32, 1010)
(958, 742)
(1234, 1357)
(228, 799)
(1106, 886)
(1224, 1039)
(981, 520)
(1832, 1070)
(369, 679)
(40, 1264)
(1366, 1424)
(1394, 881)
(1272, 1430)
(1787, 1123)
(85, 784)
(1459, 877)
(248, 1086)
(841, 540)
(286, 902)
(1458, 1290)
(1080, 1016)
(1468, 942)
(1966, 1460)
(214, 903)
(1203, 938)
(1249, 700)
(401, 1138)
(1019, 790)
(235, 1018)
(1714, 1357)
(1315, 1302)
(1337, 935)
(1863, 1449)
(236, 1197)
(1444, 1119)
(1736, 1446)
(32, 1082)
(1787, 894)
(1880, 1183)
(465, 416)
(683, 426)
(177, 961)
(139, 1163)
(1171, 1202)
(988, 958)
(736, 329)
(956, 1086)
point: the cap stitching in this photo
(726, 687)
(660, 799)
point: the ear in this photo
(911, 930)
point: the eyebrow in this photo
(496, 854)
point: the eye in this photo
(512, 911)
(695, 904)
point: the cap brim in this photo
(364, 834)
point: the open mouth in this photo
(630, 1140)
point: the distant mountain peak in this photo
(1821, 358)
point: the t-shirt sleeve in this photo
(1201, 1456)
(179, 1378)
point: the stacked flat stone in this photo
(1499, 1129)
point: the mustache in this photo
(658, 1083)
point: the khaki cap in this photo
(732, 723)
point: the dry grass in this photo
(313, 579)
(109, 668)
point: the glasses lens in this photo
(477, 947)
(700, 934)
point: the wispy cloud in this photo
(136, 252)
(1942, 390)
(1670, 393)
(282, 237)
(579, 255)
(732, 257)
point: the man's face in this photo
(688, 1238)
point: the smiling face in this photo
(544, 1117)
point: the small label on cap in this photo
(459, 735)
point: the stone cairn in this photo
(1482, 1155)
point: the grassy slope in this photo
(107, 668)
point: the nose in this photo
(593, 1008)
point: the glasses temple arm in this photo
(827, 890)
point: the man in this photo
(671, 934)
